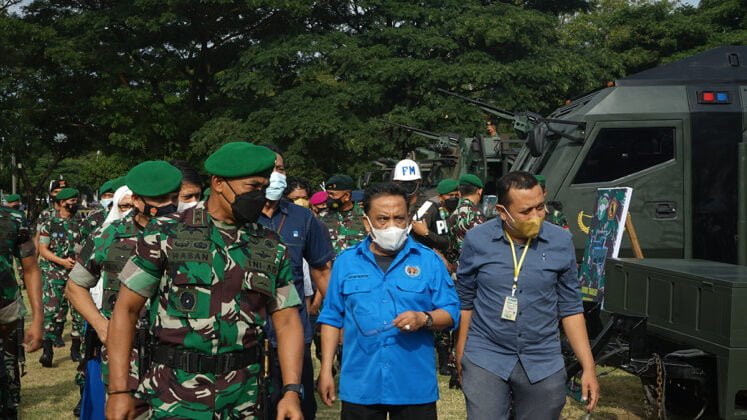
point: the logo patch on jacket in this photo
(412, 270)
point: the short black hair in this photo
(379, 190)
(518, 180)
(274, 149)
(295, 182)
(467, 189)
(189, 173)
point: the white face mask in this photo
(106, 202)
(184, 206)
(277, 186)
(391, 238)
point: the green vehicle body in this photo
(677, 135)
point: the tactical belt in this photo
(193, 362)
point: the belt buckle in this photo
(221, 361)
(194, 362)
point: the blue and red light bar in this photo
(713, 97)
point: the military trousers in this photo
(56, 305)
(10, 370)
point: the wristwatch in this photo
(428, 320)
(297, 388)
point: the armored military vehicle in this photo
(676, 134)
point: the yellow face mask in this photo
(524, 228)
(301, 202)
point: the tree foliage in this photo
(90, 87)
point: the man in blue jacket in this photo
(389, 293)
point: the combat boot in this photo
(58, 327)
(77, 409)
(47, 353)
(75, 350)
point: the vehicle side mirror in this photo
(536, 140)
(488, 206)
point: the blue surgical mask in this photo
(277, 186)
(106, 203)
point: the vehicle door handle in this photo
(666, 210)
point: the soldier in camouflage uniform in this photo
(468, 214)
(345, 217)
(213, 276)
(555, 213)
(103, 256)
(16, 242)
(59, 242)
(96, 217)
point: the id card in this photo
(510, 308)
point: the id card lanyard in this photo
(519, 264)
(511, 304)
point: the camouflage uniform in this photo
(345, 227)
(103, 256)
(555, 214)
(15, 242)
(63, 238)
(179, 262)
(93, 221)
(466, 216)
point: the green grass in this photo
(51, 393)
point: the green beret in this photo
(240, 159)
(471, 180)
(118, 183)
(154, 178)
(446, 186)
(106, 187)
(541, 179)
(12, 197)
(66, 193)
(340, 183)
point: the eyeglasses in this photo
(367, 323)
(124, 207)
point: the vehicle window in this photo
(618, 152)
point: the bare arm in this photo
(575, 329)
(330, 338)
(413, 320)
(320, 276)
(49, 256)
(289, 331)
(82, 301)
(33, 283)
(124, 317)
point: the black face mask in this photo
(73, 208)
(451, 204)
(247, 207)
(153, 211)
(410, 187)
(335, 204)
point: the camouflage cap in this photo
(340, 183)
(12, 197)
(66, 193)
(119, 182)
(106, 187)
(154, 178)
(541, 179)
(240, 159)
(446, 186)
(471, 180)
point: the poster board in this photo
(604, 239)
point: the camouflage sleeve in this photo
(87, 268)
(142, 273)
(24, 241)
(286, 295)
(44, 232)
(478, 220)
